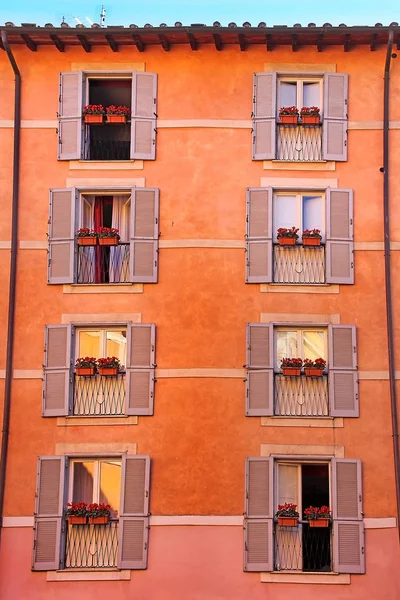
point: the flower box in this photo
(311, 241)
(288, 521)
(75, 520)
(108, 241)
(87, 241)
(291, 371)
(87, 371)
(319, 522)
(287, 241)
(100, 520)
(108, 371)
(93, 118)
(311, 372)
(289, 119)
(116, 118)
(310, 119)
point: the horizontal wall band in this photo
(299, 318)
(95, 421)
(315, 422)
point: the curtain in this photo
(119, 255)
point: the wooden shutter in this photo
(264, 116)
(334, 134)
(70, 115)
(140, 369)
(144, 231)
(144, 114)
(348, 527)
(48, 532)
(259, 235)
(339, 236)
(57, 377)
(133, 531)
(260, 369)
(343, 376)
(258, 525)
(62, 227)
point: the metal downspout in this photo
(13, 274)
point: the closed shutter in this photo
(339, 236)
(264, 116)
(259, 235)
(133, 534)
(259, 524)
(140, 369)
(144, 114)
(343, 376)
(348, 527)
(260, 369)
(48, 532)
(62, 227)
(144, 233)
(57, 379)
(70, 115)
(334, 134)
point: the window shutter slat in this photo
(343, 376)
(342, 347)
(339, 236)
(259, 346)
(133, 541)
(62, 227)
(70, 116)
(258, 545)
(264, 116)
(260, 393)
(144, 115)
(349, 547)
(259, 487)
(334, 134)
(259, 235)
(140, 369)
(135, 486)
(144, 235)
(57, 379)
(346, 489)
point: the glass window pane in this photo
(311, 94)
(116, 344)
(288, 484)
(314, 344)
(287, 94)
(286, 346)
(89, 343)
(285, 212)
(82, 490)
(110, 484)
(312, 212)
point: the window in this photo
(102, 343)
(96, 481)
(301, 210)
(309, 343)
(299, 92)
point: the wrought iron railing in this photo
(303, 548)
(301, 396)
(103, 264)
(99, 395)
(299, 142)
(107, 142)
(299, 264)
(91, 546)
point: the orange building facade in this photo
(200, 434)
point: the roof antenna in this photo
(103, 17)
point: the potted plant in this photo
(287, 237)
(93, 113)
(86, 237)
(99, 514)
(85, 366)
(291, 367)
(310, 115)
(117, 114)
(287, 515)
(108, 366)
(318, 516)
(311, 237)
(76, 513)
(289, 115)
(314, 368)
(108, 236)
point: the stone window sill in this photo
(89, 575)
(308, 578)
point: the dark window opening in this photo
(316, 541)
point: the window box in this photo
(291, 371)
(309, 372)
(108, 371)
(288, 521)
(288, 119)
(101, 520)
(108, 241)
(86, 371)
(287, 241)
(93, 118)
(87, 241)
(116, 118)
(310, 119)
(311, 241)
(76, 520)
(319, 522)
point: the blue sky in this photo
(273, 12)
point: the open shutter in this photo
(259, 524)
(57, 378)
(343, 377)
(144, 231)
(334, 134)
(70, 115)
(144, 114)
(260, 370)
(62, 226)
(348, 528)
(140, 369)
(339, 236)
(264, 116)
(259, 235)
(133, 531)
(48, 513)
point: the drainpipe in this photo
(388, 280)
(13, 274)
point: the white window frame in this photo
(96, 474)
(103, 339)
(300, 343)
(299, 90)
(299, 195)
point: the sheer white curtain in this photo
(119, 257)
(87, 254)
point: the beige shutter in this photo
(259, 511)
(339, 236)
(57, 378)
(259, 235)
(140, 369)
(70, 115)
(144, 115)
(260, 369)
(62, 227)
(343, 375)
(133, 531)
(348, 528)
(334, 133)
(264, 116)
(48, 532)
(144, 231)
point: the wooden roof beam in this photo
(137, 40)
(268, 42)
(372, 44)
(347, 42)
(164, 42)
(242, 42)
(192, 41)
(295, 43)
(84, 43)
(57, 42)
(111, 42)
(29, 42)
(217, 41)
(320, 42)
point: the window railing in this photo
(299, 142)
(107, 142)
(103, 264)
(99, 395)
(299, 264)
(303, 548)
(301, 396)
(91, 546)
